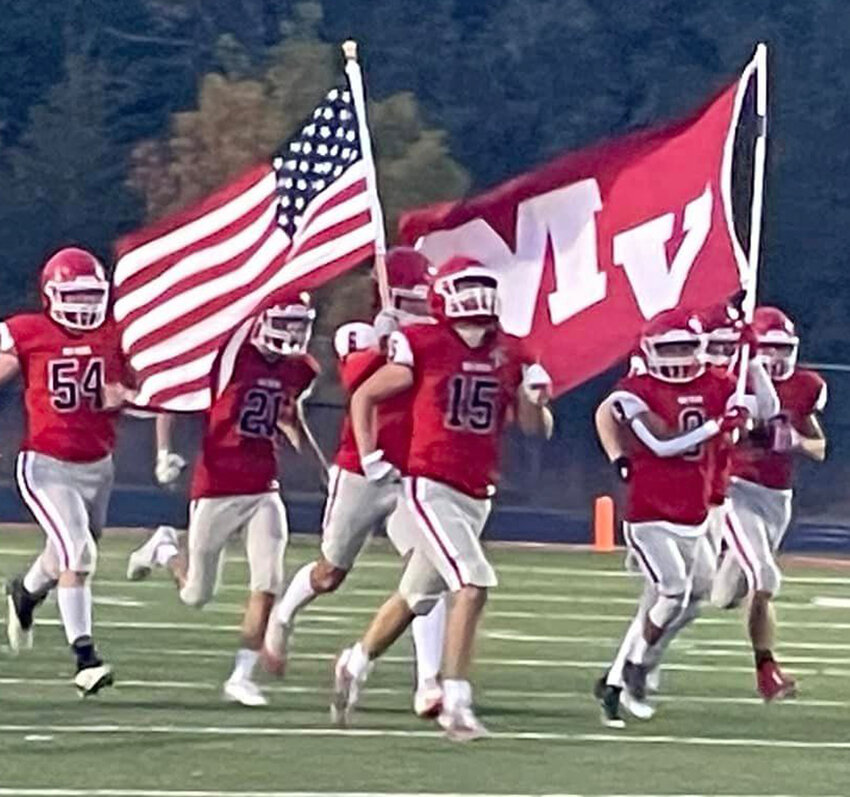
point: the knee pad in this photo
(665, 608)
(420, 604)
(82, 558)
(771, 578)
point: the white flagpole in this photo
(355, 81)
(756, 214)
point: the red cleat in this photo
(773, 684)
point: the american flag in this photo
(183, 285)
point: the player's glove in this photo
(783, 436)
(623, 466)
(376, 468)
(536, 383)
(169, 466)
(736, 420)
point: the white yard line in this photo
(379, 733)
(488, 694)
(50, 792)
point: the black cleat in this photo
(609, 702)
(635, 677)
(20, 604)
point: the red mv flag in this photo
(592, 245)
(183, 286)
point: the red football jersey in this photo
(393, 415)
(64, 373)
(803, 393)
(675, 489)
(458, 403)
(237, 454)
(721, 450)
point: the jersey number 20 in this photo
(69, 384)
(472, 403)
(260, 412)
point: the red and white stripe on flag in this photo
(591, 246)
(183, 285)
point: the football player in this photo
(761, 492)
(259, 378)
(72, 369)
(671, 413)
(465, 377)
(356, 506)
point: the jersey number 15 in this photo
(472, 403)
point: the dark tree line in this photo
(88, 87)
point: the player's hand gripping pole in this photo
(355, 81)
(760, 66)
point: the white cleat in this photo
(428, 700)
(91, 680)
(274, 654)
(142, 560)
(461, 725)
(346, 691)
(245, 692)
(639, 709)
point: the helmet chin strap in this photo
(472, 334)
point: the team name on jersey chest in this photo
(76, 351)
(690, 401)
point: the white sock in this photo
(243, 668)
(456, 694)
(298, 594)
(428, 632)
(75, 608)
(639, 648)
(164, 553)
(615, 673)
(358, 663)
(37, 579)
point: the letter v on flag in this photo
(593, 244)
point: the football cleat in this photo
(609, 703)
(773, 684)
(90, 679)
(346, 691)
(19, 619)
(461, 725)
(275, 647)
(244, 692)
(639, 709)
(428, 699)
(142, 561)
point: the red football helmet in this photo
(673, 344)
(284, 329)
(75, 290)
(722, 336)
(409, 273)
(465, 290)
(778, 343)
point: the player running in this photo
(761, 493)
(356, 506)
(671, 412)
(465, 378)
(258, 383)
(70, 362)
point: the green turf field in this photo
(550, 628)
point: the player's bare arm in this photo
(389, 380)
(810, 440)
(609, 431)
(9, 367)
(298, 432)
